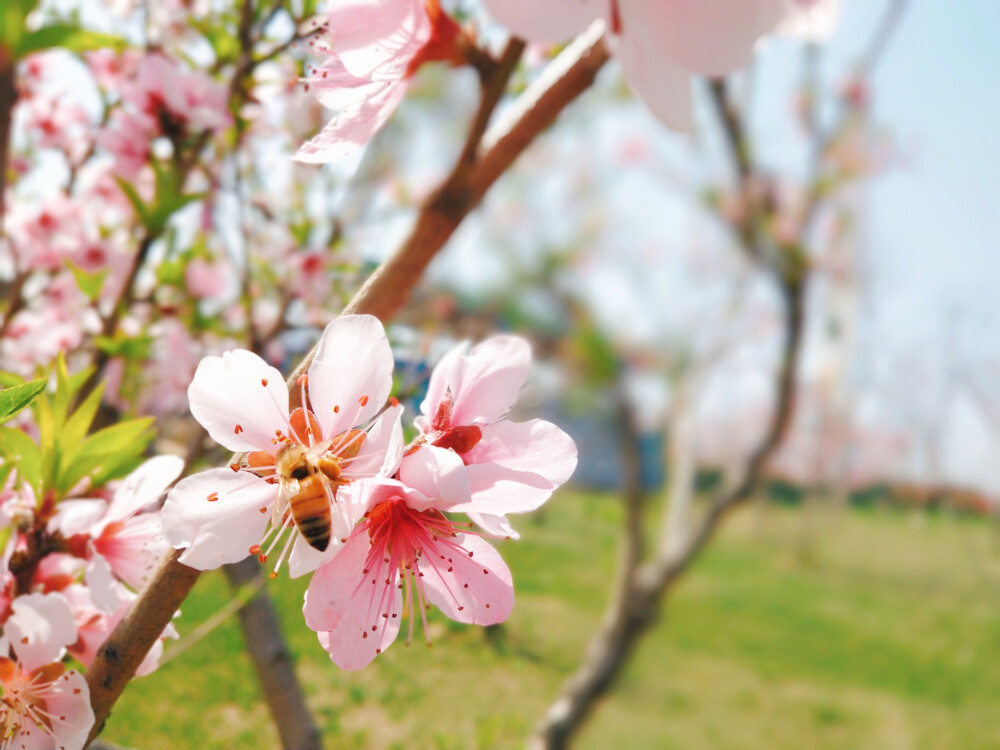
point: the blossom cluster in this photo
(329, 487)
(70, 570)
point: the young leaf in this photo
(15, 398)
(107, 454)
(19, 449)
(79, 421)
(89, 283)
(66, 36)
(143, 211)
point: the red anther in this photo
(255, 549)
(213, 497)
(262, 558)
(234, 467)
(393, 401)
(273, 574)
(363, 400)
(263, 382)
(263, 510)
(336, 409)
(238, 429)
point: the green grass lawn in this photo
(797, 629)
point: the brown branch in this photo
(636, 610)
(382, 295)
(386, 289)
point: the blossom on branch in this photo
(469, 453)
(373, 49)
(341, 434)
(404, 555)
(44, 706)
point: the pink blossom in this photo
(659, 43)
(220, 515)
(469, 454)
(44, 706)
(404, 555)
(373, 48)
(111, 68)
(191, 97)
(128, 139)
(205, 279)
(129, 540)
(98, 607)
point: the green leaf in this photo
(12, 15)
(141, 209)
(15, 398)
(90, 283)
(63, 395)
(19, 449)
(73, 434)
(66, 36)
(107, 454)
(7, 379)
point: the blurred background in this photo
(773, 340)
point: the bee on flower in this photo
(374, 521)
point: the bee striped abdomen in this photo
(310, 509)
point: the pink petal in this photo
(497, 491)
(437, 473)
(483, 383)
(67, 700)
(478, 590)
(105, 592)
(39, 628)
(382, 449)
(305, 558)
(352, 127)
(541, 22)
(134, 550)
(497, 526)
(536, 446)
(240, 399)
(343, 606)
(219, 531)
(351, 375)
(378, 38)
(709, 37)
(143, 486)
(74, 517)
(655, 78)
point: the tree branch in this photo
(382, 295)
(635, 611)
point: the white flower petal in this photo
(220, 531)
(351, 376)
(541, 22)
(663, 85)
(240, 399)
(437, 473)
(40, 626)
(143, 486)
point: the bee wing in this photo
(287, 489)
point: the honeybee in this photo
(302, 476)
(305, 474)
